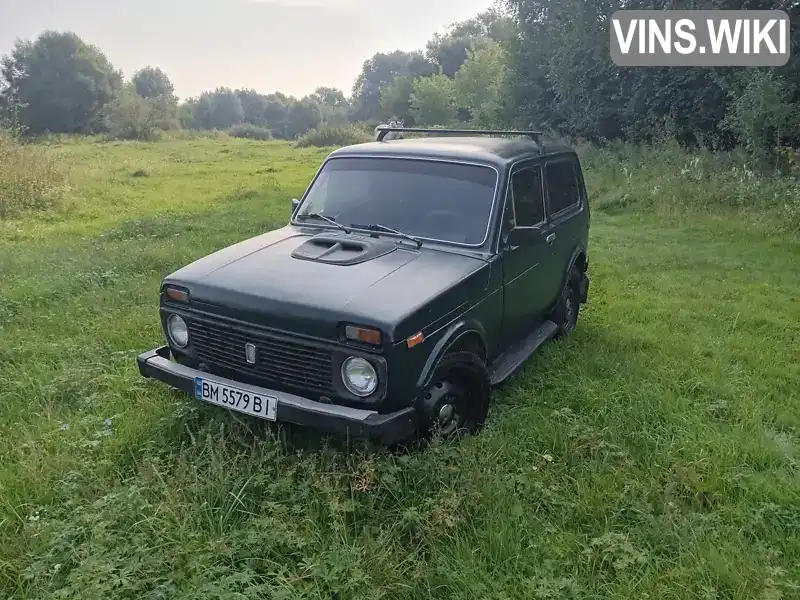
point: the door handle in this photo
(551, 238)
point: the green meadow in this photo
(652, 455)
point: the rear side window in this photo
(562, 185)
(526, 187)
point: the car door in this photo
(566, 210)
(528, 271)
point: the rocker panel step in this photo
(508, 363)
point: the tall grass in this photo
(624, 177)
(195, 134)
(31, 177)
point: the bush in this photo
(333, 135)
(131, 117)
(761, 115)
(30, 177)
(250, 132)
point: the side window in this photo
(526, 186)
(562, 185)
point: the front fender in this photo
(452, 334)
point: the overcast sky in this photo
(291, 46)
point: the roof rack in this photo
(536, 136)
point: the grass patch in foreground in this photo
(653, 455)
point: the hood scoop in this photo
(342, 249)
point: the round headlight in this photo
(178, 331)
(359, 376)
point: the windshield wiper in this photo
(384, 228)
(322, 217)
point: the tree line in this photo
(540, 63)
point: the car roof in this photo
(495, 151)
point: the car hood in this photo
(293, 281)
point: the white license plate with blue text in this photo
(234, 398)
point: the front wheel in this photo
(456, 402)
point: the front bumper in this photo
(385, 428)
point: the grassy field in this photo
(652, 455)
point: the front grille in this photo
(278, 362)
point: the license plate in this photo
(244, 401)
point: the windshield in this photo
(438, 200)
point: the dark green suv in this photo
(414, 275)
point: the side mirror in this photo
(295, 204)
(524, 236)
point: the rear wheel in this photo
(456, 403)
(569, 306)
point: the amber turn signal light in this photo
(177, 294)
(415, 339)
(363, 334)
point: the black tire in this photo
(568, 308)
(461, 380)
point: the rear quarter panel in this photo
(571, 227)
